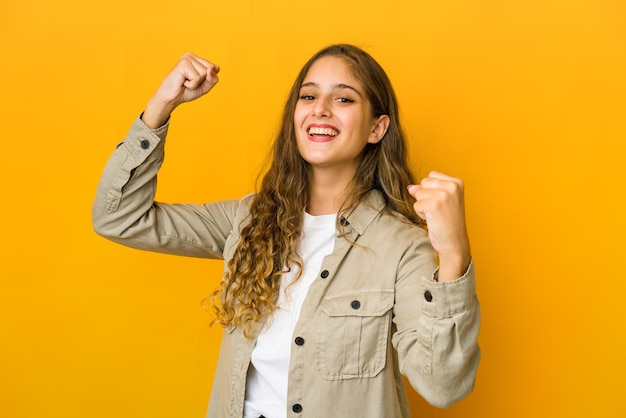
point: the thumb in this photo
(413, 189)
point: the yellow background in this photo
(524, 99)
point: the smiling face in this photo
(333, 118)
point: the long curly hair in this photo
(269, 240)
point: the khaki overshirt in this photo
(374, 313)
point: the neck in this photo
(328, 191)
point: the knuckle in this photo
(442, 198)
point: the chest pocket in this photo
(354, 333)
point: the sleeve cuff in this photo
(161, 131)
(443, 299)
(142, 141)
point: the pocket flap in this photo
(372, 302)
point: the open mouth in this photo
(322, 131)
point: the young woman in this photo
(341, 274)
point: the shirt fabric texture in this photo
(374, 313)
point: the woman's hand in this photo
(439, 201)
(190, 79)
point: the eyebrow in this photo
(335, 86)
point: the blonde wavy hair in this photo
(270, 237)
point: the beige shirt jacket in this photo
(374, 313)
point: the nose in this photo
(321, 108)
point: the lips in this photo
(322, 132)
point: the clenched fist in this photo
(439, 201)
(190, 79)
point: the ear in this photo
(379, 129)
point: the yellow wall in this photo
(523, 99)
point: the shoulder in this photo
(373, 213)
(397, 227)
(380, 227)
(242, 213)
(247, 200)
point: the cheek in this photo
(298, 122)
(298, 116)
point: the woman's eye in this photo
(345, 100)
(307, 97)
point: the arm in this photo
(437, 327)
(124, 209)
(437, 316)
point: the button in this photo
(299, 341)
(428, 296)
(324, 274)
(343, 221)
(145, 144)
(297, 408)
(355, 304)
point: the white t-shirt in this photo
(266, 386)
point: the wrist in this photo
(156, 114)
(452, 268)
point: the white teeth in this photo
(314, 130)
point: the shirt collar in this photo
(362, 216)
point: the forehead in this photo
(331, 70)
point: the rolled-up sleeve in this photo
(125, 212)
